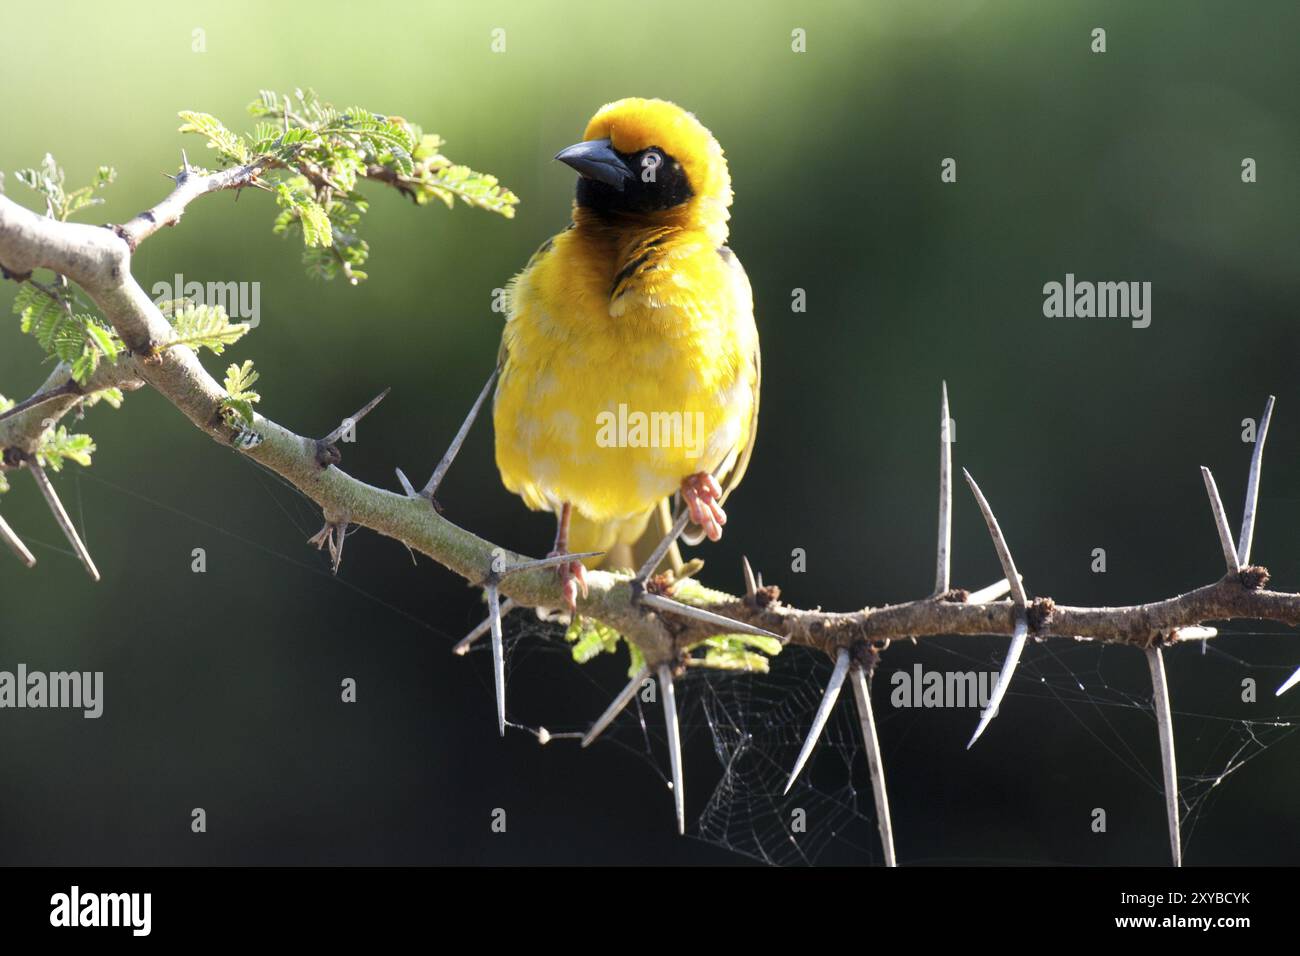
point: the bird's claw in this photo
(702, 495)
(573, 577)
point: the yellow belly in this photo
(609, 401)
(610, 412)
(612, 427)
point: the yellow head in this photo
(651, 160)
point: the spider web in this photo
(756, 724)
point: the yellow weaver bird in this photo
(629, 364)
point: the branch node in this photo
(327, 453)
(1039, 614)
(126, 237)
(866, 655)
(16, 276)
(1253, 577)
(767, 594)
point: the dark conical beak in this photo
(596, 159)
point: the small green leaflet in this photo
(58, 447)
(240, 397)
(203, 326)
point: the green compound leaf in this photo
(112, 397)
(203, 326)
(58, 447)
(240, 396)
(736, 652)
(746, 652)
(591, 638)
(226, 144)
(315, 156)
(48, 180)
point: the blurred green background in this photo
(222, 688)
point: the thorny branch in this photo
(99, 260)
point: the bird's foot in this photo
(702, 494)
(573, 577)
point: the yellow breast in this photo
(626, 367)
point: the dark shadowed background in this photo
(222, 689)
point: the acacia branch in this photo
(99, 260)
(190, 185)
(22, 425)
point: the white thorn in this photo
(728, 625)
(1221, 522)
(551, 561)
(61, 516)
(16, 544)
(1288, 683)
(943, 562)
(661, 549)
(993, 592)
(1252, 488)
(1000, 544)
(751, 585)
(871, 741)
(365, 410)
(1165, 724)
(406, 483)
(463, 645)
(616, 707)
(1004, 678)
(498, 655)
(1194, 633)
(441, 471)
(823, 714)
(674, 745)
